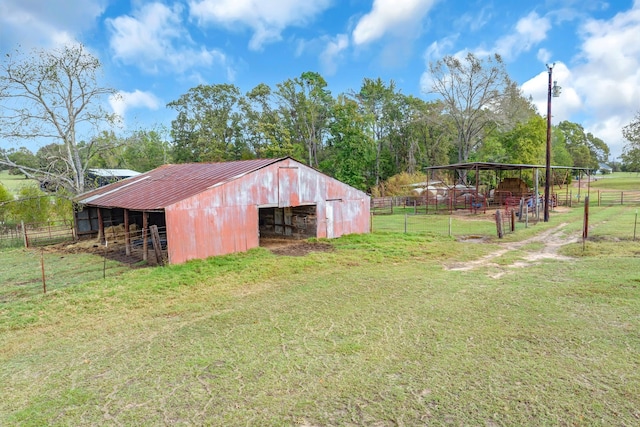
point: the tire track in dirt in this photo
(553, 239)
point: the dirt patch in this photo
(115, 251)
(294, 247)
(552, 240)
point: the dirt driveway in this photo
(551, 239)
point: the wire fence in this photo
(65, 261)
(35, 234)
(42, 268)
(612, 223)
(604, 223)
(460, 224)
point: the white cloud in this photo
(154, 39)
(602, 91)
(529, 31)
(123, 101)
(400, 18)
(544, 55)
(566, 105)
(476, 20)
(32, 23)
(608, 76)
(267, 18)
(333, 52)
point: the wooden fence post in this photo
(585, 227)
(24, 234)
(499, 223)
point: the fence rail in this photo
(36, 234)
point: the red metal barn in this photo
(210, 209)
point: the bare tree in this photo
(49, 97)
(471, 90)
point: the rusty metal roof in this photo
(168, 184)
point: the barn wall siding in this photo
(224, 218)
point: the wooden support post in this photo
(101, 235)
(145, 244)
(127, 234)
(157, 247)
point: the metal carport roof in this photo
(484, 166)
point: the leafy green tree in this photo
(207, 127)
(32, 205)
(376, 99)
(52, 96)
(525, 143)
(6, 198)
(631, 152)
(420, 135)
(266, 132)
(585, 149)
(61, 207)
(145, 150)
(560, 155)
(104, 151)
(353, 150)
(513, 107)
(305, 104)
(21, 156)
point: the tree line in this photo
(362, 137)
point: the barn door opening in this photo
(288, 223)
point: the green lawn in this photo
(378, 331)
(14, 182)
(617, 181)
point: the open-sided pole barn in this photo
(461, 169)
(209, 209)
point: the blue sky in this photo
(153, 52)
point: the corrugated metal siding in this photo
(288, 187)
(224, 219)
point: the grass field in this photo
(618, 181)
(14, 182)
(387, 329)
